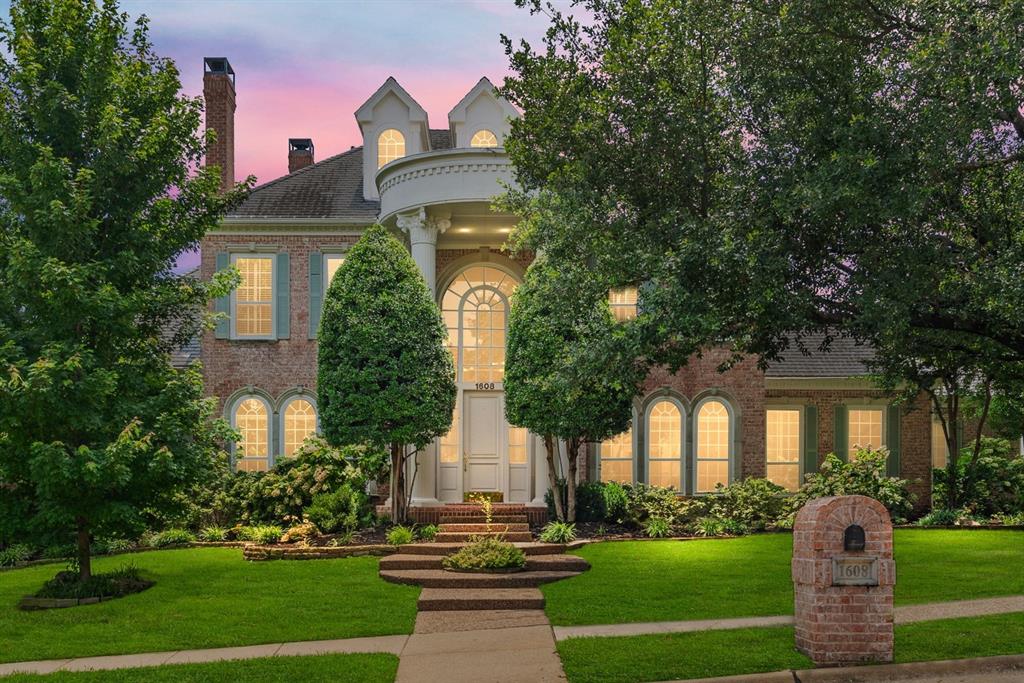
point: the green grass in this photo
(756, 650)
(205, 598)
(357, 668)
(703, 579)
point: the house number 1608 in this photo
(485, 385)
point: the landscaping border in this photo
(259, 553)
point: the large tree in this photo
(385, 377)
(99, 193)
(570, 369)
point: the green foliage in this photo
(341, 510)
(261, 534)
(992, 484)
(112, 546)
(590, 501)
(122, 581)
(750, 503)
(945, 517)
(864, 476)
(485, 553)
(400, 535)
(385, 376)
(1010, 520)
(213, 534)
(656, 527)
(428, 532)
(646, 502)
(300, 533)
(558, 532)
(709, 526)
(12, 555)
(616, 502)
(169, 537)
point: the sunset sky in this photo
(304, 67)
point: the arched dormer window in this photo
(484, 138)
(714, 445)
(390, 146)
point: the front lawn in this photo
(207, 597)
(355, 668)
(755, 650)
(637, 581)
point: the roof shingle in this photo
(845, 358)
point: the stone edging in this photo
(31, 603)
(257, 553)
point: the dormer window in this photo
(484, 138)
(390, 146)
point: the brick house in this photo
(433, 188)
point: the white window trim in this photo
(878, 407)
(281, 419)
(682, 440)
(272, 257)
(633, 456)
(731, 442)
(800, 440)
(270, 429)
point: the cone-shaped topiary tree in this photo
(385, 377)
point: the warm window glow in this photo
(623, 302)
(517, 445)
(252, 452)
(331, 265)
(940, 453)
(712, 446)
(484, 138)
(299, 423)
(254, 298)
(450, 441)
(390, 146)
(617, 458)
(865, 431)
(665, 452)
(475, 309)
(782, 446)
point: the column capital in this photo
(421, 226)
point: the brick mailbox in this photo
(843, 579)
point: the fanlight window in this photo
(253, 450)
(390, 146)
(665, 452)
(484, 138)
(475, 308)
(299, 423)
(712, 446)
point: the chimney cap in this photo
(219, 65)
(300, 145)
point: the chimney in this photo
(300, 153)
(219, 93)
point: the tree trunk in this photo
(84, 554)
(972, 466)
(398, 511)
(570, 479)
(556, 493)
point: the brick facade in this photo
(219, 95)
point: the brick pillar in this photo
(843, 576)
(219, 95)
(300, 153)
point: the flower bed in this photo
(258, 553)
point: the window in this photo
(254, 299)
(665, 449)
(390, 146)
(299, 423)
(623, 302)
(865, 430)
(484, 138)
(331, 264)
(450, 441)
(475, 308)
(617, 458)
(252, 420)
(713, 437)
(940, 452)
(517, 445)
(782, 448)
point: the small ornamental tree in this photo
(570, 372)
(99, 193)
(385, 377)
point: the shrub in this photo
(213, 534)
(112, 546)
(1010, 520)
(12, 555)
(616, 502)
(998, 483)
(750, 503)
(428, 532)
(300, 532)
(261, 534)
(400, 535)
(171, 537)
(558, 532)
(656, 527)
(645, 502)
(735, 527)
(864, 476)
(709, 526)
(344, 509)
(590, 501)
(59, 551)
(940, 518)
(122, 581)
(486, 553)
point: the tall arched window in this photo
(299, 418)
(484, 138)
(251, 418)
(714, 437)
(665, 445)
(617, 458)
(475, 308)
(390, 146)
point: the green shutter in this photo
(316, 291)
(223, 304)
(810, 460)
(689, 455)
(282, 296)
(840, 429)
(892, 440)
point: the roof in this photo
(332, 188)
(845, 357)
(440, 138)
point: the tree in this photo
(385, 377)
(567, 372)
(99, 193)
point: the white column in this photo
(423, 231)
(540, 471)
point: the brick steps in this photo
(464, 537)
(438, 578)
(480, 519)
(449, 548)
(477, 528)
(561, 563)
(445, 599)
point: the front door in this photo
(484, 441)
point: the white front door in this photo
(484, 441)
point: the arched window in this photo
(617, 458)
(251, 418)
(299, 418)
(484, 138)
(475, 308)
(390, 146)
(714, 437)
(665, 445)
